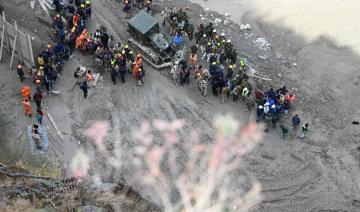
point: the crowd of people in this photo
(226, 75)
(140, 4)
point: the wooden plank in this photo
(2, 35)
(32, 61)
(55, 126)
(14, 46)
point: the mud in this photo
(318, 173)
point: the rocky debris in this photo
(244, 27)
(262, 43)
(217, 21)
(263, 57)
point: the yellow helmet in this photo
(82, 6)
(214, 63)
(126, 46)
(87, 2)
(231, 66)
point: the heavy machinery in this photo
(147, 39)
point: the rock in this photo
(248, 26)
(244, 27)
(262, 43)
(217, 20)
(263, 57)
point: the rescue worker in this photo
(26, 92)
(127, 7)
(20, 72)
(148, 7)
(105, 40)
(137, 63)
(39, 116)
(230, 72)
(37, 98)
(190, 31)
(193, 59)
(295, 121)
(90, 77)
(236, 92)
(245, 93)
(304, 129)
(88, 9)
(27, 107)
(114, 73)
(224, 94)
(260, 113)
(36, 138)
(284, 130)
(138, 76)
(203, 87)
(242, 66)
(84, 88)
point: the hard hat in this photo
(261, 107)
(57, 16)
(19, 66)
(242, 62)
(273, 106)
(82, 6)
(231, 66)
(87, 2)
(229, 41)
(204, 35)
(123, 52)
(131, 52)
(213, 54)
(214, 30)
(209, 43)
(218, 44)
(49, 46)
(214, 63)
(126, 46)
(222, 34)
(267, 103)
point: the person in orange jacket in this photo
(27, 107)
(26, 92)
(193, 59)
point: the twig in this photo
(23, 175)
(55, 126)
